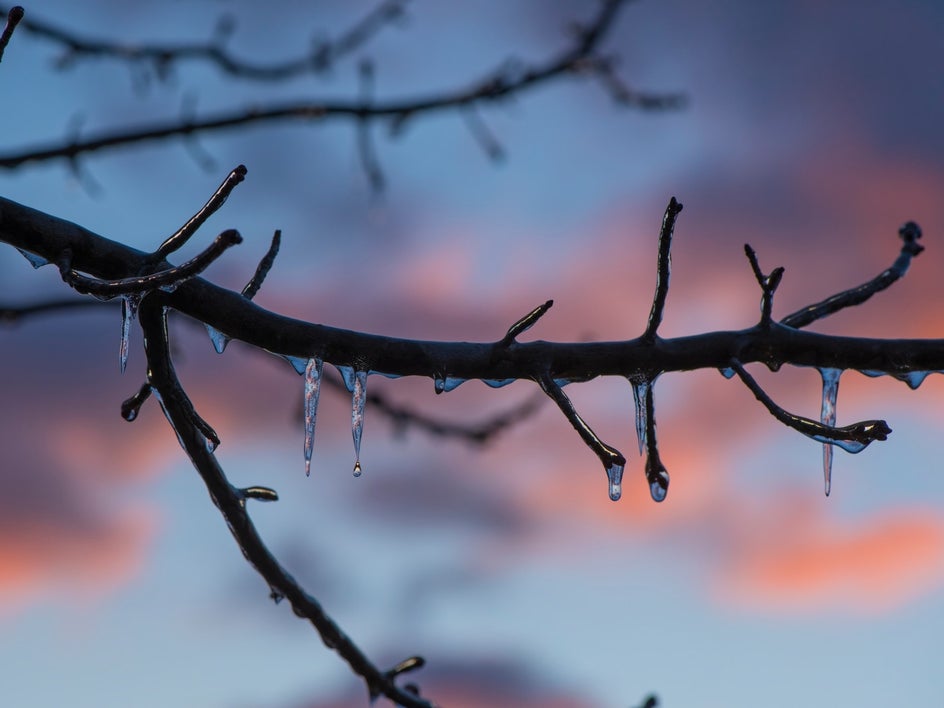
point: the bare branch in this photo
(768, 285)
(525, 323)
(319, 58)
(265, 265)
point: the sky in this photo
(811, 131)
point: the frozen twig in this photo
(663, 268)
(768, 285)
(13, 19)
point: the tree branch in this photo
(510, 79)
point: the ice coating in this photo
(358, 403)
(129, 310)
(828, 417)
(640, 388)
(218, 339)
(614, 474)
(313, 371)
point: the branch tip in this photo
(260, 493)
(525, 323)
(663, 268)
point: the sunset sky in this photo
(812, 131)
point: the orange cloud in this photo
(804, 561)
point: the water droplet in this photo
(871, 373)
(614, 473)
(218, 339)
(313, 371)
(34, 260)
(299, 363)
(129, 310)
(828, 417)
(497, 383)
(727, 372)
(658, 483)
(640, 389)
(358, 403)
(439, 384)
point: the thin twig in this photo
(169, 278)
(909, 233)
(183, 234)
(525, 323)
(262, 270)
(318, 59)
(493, 87)
(13, 19)
(852, 438)
(663, 268)
(768, 285)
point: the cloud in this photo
(803, 560)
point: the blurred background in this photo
(811, 131)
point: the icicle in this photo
(129, 310)
(727, 372)
(658, 479)
(299, 363)
(313, 372)
(640, 388)
(445, 384)
(497, 383)
(914, 378)
(828, 417)
(358, 401)
(35, 261)
(219, 339)
(614, 473)
(348, 376)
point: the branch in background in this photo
(13, 19)
(582, 58)
(320, 57)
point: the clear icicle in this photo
(614, 473)
(828, 417)
(129, 310)
(219, 339)
(640, 389)
(299, 363)
(358, 402)
(35, 261)
(312, 391)
(439, 384)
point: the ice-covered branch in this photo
(582, 57)
(231, 502)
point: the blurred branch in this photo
(582, 58)
(161, 57)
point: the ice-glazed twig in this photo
(13, 19)
(909, 234)
(265, 494)
(265, 265)
(168, 278)
(231, 503)
(183, 234)
(851, 438)
(613, 460)
(663, 268)
(525, 323)
(768, 285)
